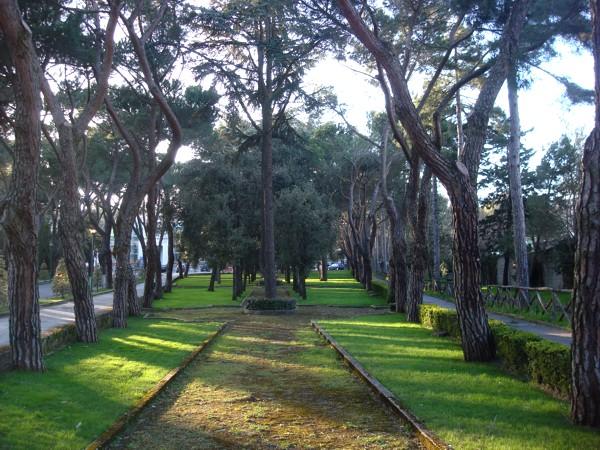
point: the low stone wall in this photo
(54, 339)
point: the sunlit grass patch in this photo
(340, 289)
(87, 386)
(192, 292)
(470, 405)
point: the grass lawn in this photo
(340, 290)
(192, 292)
(86, 387)
(469, 405)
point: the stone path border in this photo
(106, 437)
(425, 436)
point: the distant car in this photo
(335, 266)
(163, 268)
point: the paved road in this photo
(551, 333)
(56, 315)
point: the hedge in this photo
(265, 304)
(380, 288)
(523, 354)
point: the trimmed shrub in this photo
(268, 304)
(520, 353)
(550, 365)
(380, 288)
(511, 347)
(441, 320)
(261, 282)
(60, 282)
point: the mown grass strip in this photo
(87, 386)
(192, 292)
(428, 439)
(106, 437)
(469, 405)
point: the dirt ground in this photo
(268, 382)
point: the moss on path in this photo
(267, 383)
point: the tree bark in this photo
(514, 177)
(171, 253)
(213, 278)
(323, 276)
(585, 409)
(459, 177)
(152, 256)
(266, 99)
(19, 209)
(435, 238)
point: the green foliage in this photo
(41, 411)
(380, 288)
(523, 354)
(511, 347)
(265, 304)
(60, 281)
(550, 365)
(469, 405)
(441, 320)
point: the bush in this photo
(380, 288)
(60, 282)
(440, 319)
(265, 304)
(511, 347)
(523, 354)
(550, 365)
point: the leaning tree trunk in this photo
(19, 218)
(106, 258)
(477, 339)
(72, 236)
(514, 177)
(585, 409)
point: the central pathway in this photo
(267, 383)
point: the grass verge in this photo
(192, 292)
(88, 386)
(469, 405)
(339, 290)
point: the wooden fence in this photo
(542, 300)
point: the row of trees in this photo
(249, 59)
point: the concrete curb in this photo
(106, 437)
(427, 438)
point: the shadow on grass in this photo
(87, 386)
(470, 405)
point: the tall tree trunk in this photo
(514, 177)
(19, 213)
(585, 408)
(323, 276)
(418, 231)
(106, 258)
(152, 249)
(459, 177)
(266, 96)
(72, 236)
(125, 299)
(477, 339)
(171, 254)
(213, 278)
(435, 238)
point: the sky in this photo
(545, 113)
